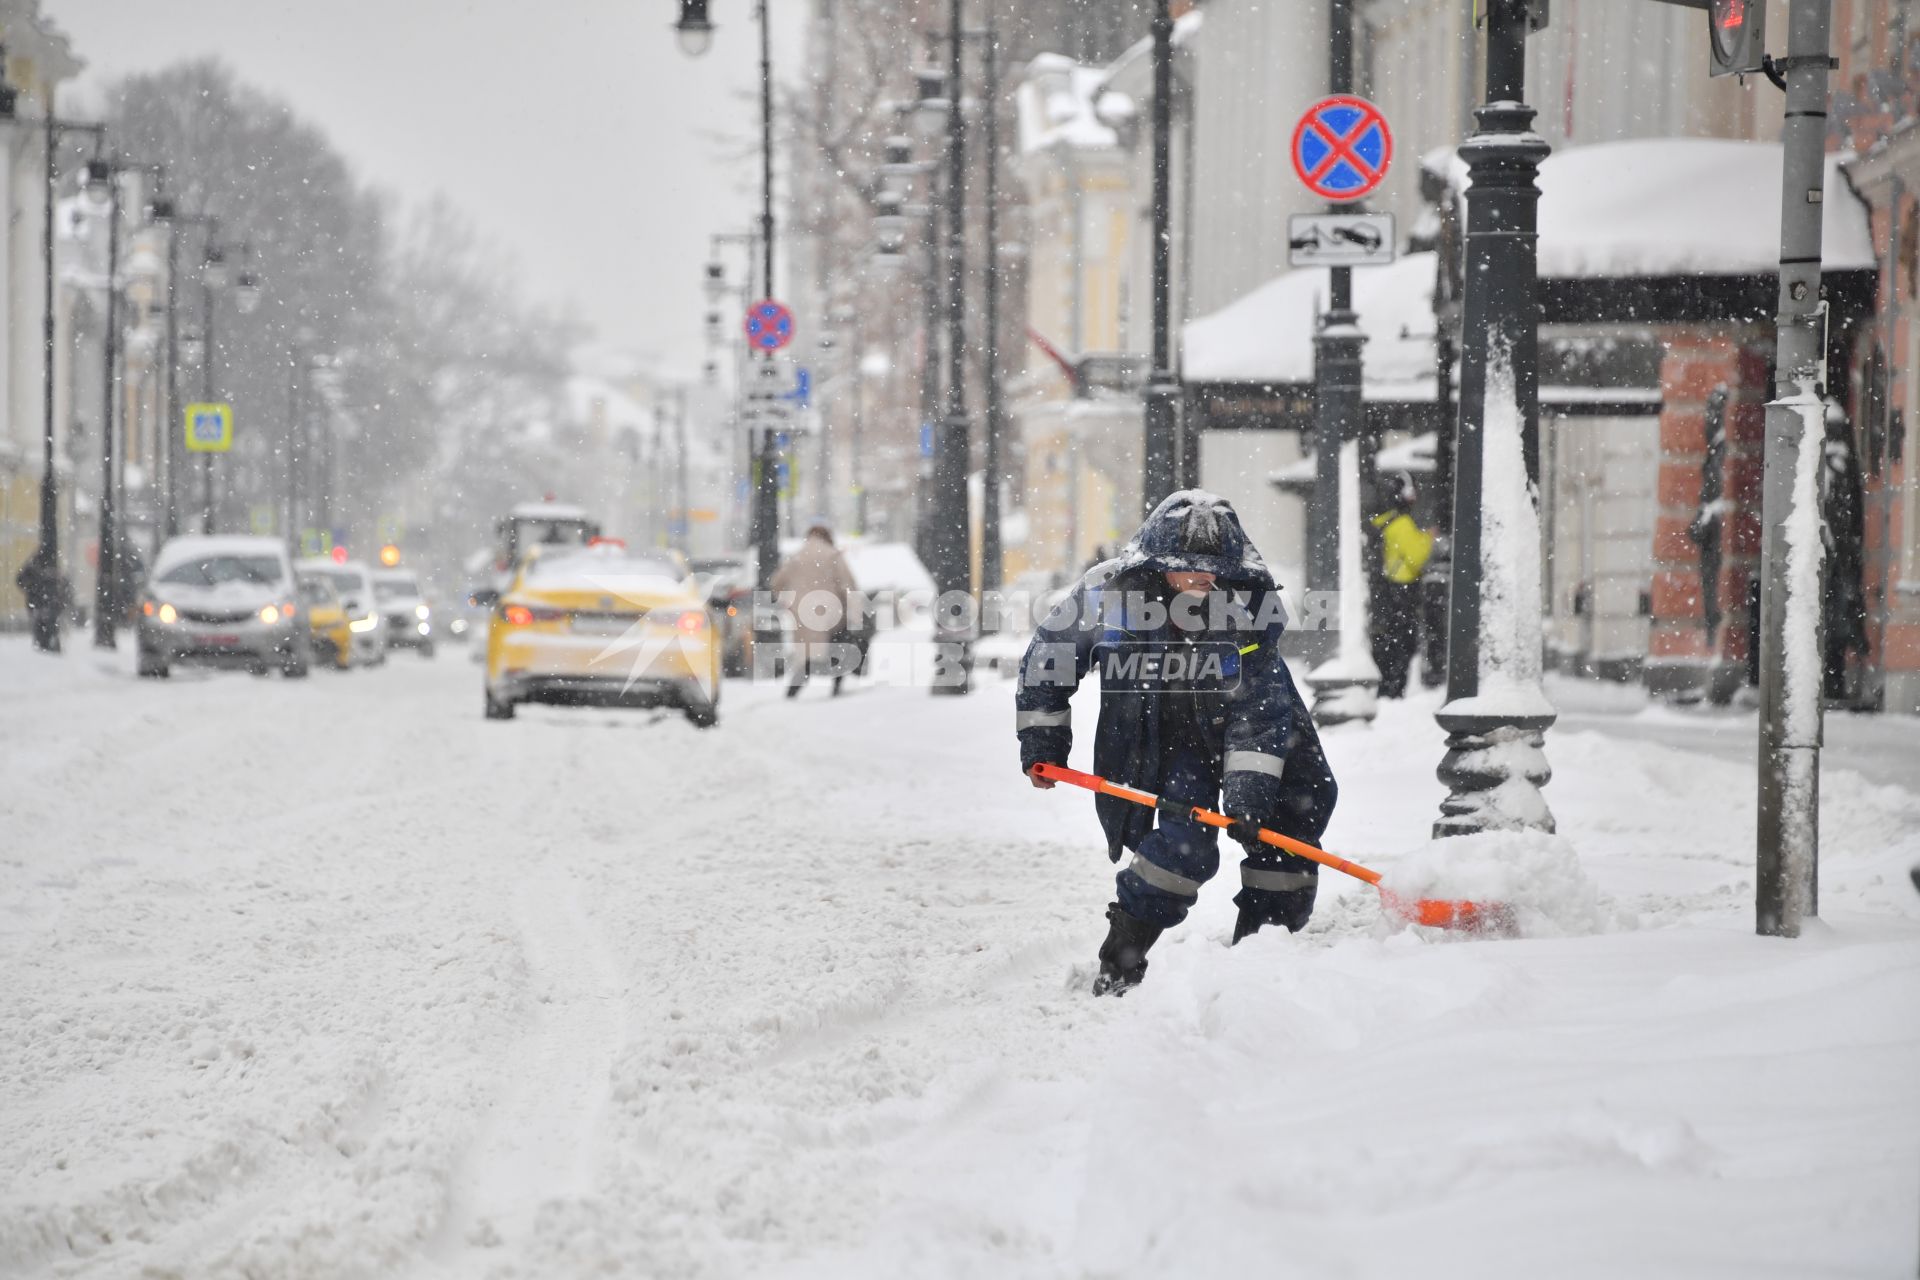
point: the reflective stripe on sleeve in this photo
(1161, 878)
(1041, 719)
(1255, 762)
(1277, 881)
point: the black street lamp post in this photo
(695, 33)
(951, 540)
(1496, 713)
(1161, 407)
(103, 180)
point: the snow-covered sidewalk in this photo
(336, 979)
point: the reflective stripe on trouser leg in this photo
(1041, 719)
(1270, 881)
(1162, 879)
(1178, 855)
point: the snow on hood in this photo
(1190, 519)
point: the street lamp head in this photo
(100, 180)
(213, 268)
(716, 282)
(694, 31)
(246, 292)
(193, 349)
(930, 105)
(890, 220)
(8, 94)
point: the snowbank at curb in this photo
(1538, 875)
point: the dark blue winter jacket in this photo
(1245, 708)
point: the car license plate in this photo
(223, 638)
(603, 625)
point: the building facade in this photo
(37, 60)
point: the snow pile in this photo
(1538, 875)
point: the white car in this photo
(218, 601)
(407, 619)
(353, 580)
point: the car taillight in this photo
(147, 608)
(692, 621)
(517, 615)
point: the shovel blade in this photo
(1488, 919)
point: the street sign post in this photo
(1342, 147)
(769, 325)
(209, 428)
(1340, 240)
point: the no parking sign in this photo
(1342, 147)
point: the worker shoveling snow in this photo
(1535, 876)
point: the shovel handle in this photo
(1093, 782)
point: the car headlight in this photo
(269, 614)
(166, 613)
(364, 625)
(420, 611)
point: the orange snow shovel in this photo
(1438, 913)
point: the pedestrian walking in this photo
(1404, 550)
(1184, 628)
(819, 591)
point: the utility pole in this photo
(1787, 846)
(992, 554)
(1497, 714)
(766, 478)
(1344, 686)
(951, 539)
(106, 578)
(1161, 409)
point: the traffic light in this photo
(1736, 36)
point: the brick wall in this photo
(1681, 658)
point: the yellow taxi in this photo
(329, 629)
(600, 625)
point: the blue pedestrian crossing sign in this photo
(1342, 147)
(209, 428)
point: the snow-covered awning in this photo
(1267, 336)
(1680, 207)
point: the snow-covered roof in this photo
(1055, 106)
(1680, 207)
(548, 511)
(1267, 336)
(622, 412)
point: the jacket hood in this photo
(1194, 531)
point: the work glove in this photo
(1250, 799)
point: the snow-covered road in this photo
(335, 979)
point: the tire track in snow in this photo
(539, 1141)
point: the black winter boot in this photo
(1123, 956)
(1247, 924)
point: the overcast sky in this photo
(574, 131)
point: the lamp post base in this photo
(1494, 774)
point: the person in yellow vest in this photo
(1404, 548)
